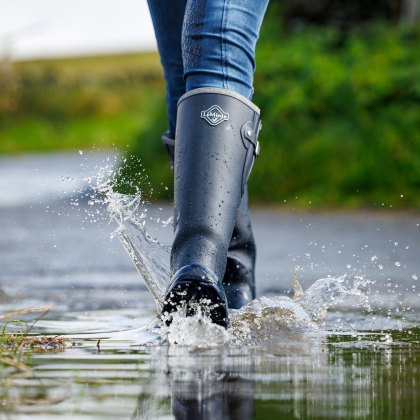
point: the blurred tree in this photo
(411, 10)
(346, 14)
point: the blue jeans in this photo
(206, 43)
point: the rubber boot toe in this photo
(194, 288)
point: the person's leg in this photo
(238, 280)
(216, 143)
(218, 43)
(220, 52)
(168, 17)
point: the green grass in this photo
(17, 345)
(138, 66)
(42, 135)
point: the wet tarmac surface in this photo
(52, 249)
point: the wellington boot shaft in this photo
(216, 144)
(239, 278)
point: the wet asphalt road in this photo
(54, 252)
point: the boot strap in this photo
(170, 148)
(249, 134)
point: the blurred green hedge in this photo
(77, 103)
(341, 116)
(341, 119)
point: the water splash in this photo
(130, 213)
(149, 256)
(264, 318)
(195, 332)
(329, 291)
(267, 319)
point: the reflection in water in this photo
(309, 379)
(342, 375)
(209, 384)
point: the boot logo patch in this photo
(215, 115)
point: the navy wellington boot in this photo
(216, 144)
(239, 278)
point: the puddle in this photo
(275, 361)
(340, 348)
(336, 374)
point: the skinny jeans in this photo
(206, 43)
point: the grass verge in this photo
(16, 344)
